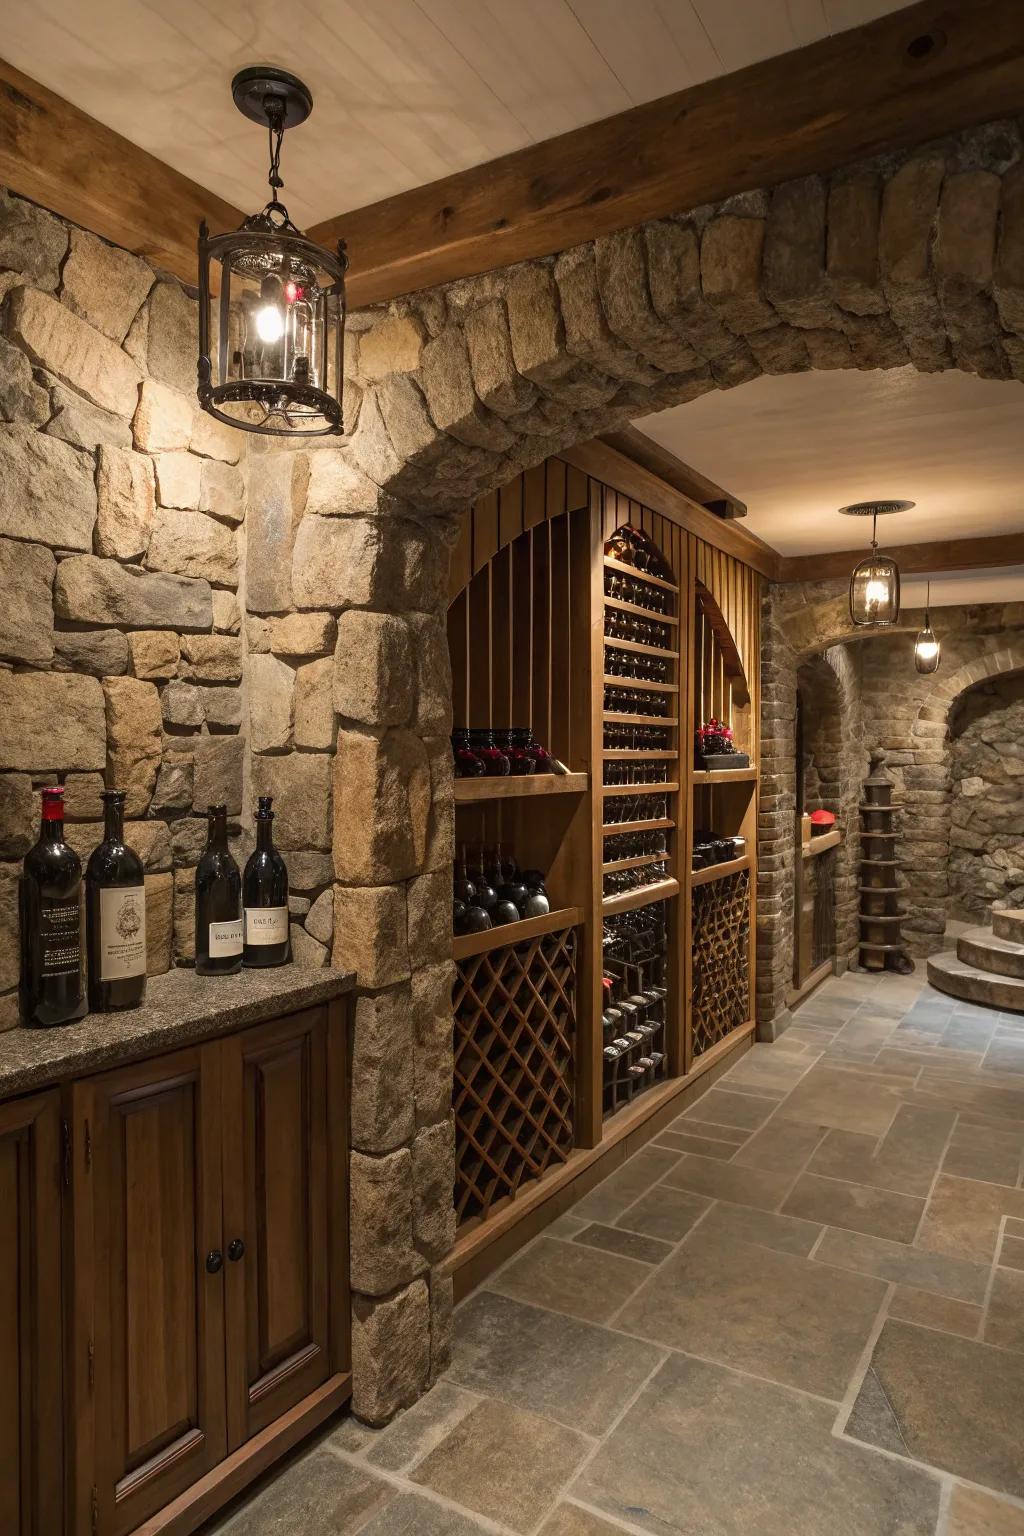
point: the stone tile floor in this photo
(798, 1312)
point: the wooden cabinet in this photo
(206, 1277)
(30, 1316)
(150, 1331)
(276, 1219)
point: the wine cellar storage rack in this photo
(613, 667)
(515, 1021)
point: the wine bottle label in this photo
(226, 939)
(122, 932)
(60, 937)
(266, 925)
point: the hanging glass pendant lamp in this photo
(875, 582)
(927, 650)
(271, 357)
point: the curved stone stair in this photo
(987, 966)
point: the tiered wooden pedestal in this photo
(881, 944)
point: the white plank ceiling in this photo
(797, 447)
(406, 91)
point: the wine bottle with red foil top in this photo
(218, 902)
(265, 896)
(115, 913)
(52, 972)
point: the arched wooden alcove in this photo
(539, 634)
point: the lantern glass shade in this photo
(927, 650)
(875, 591)
(271, 342)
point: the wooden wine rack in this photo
(527, 636)
(720, 940)
(515, 1020)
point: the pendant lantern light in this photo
(271, 358)
(875, 582)
(927, 650)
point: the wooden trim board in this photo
(944, 555)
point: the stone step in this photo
(981, 948)
(949, 974)
(1008, 923)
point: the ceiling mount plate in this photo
(875, 508)
(251, 87)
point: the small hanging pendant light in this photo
(927, 650)
(271, 360)
(875, 582)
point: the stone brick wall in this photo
(880, 701)
(350, 718)
(121, 516)
(986, 859)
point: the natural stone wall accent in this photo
(986, 856)
(107, 584)
(882, 702)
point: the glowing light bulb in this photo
(927, 650)
(876, 593)
(269, 323)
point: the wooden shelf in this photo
(725, 775)
(631, 682)
(637, 861)
(472, 791)
(637, 648)
(614, 717)
(628, 901)
(719, 871)
(641, 754)
(821, 844)
(622, 569)
(613, 828)
(670, 788)
(466, 944)
(642, 613)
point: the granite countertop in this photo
(180, 1008)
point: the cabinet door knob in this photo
(214, 1261)
(236, 1249)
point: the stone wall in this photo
(349, 726)
(986, 858)
(121, 553)
(886, 704)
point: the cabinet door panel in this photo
(30, 1317)
(276, 1204)
(152, 1183)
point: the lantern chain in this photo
(274, 108)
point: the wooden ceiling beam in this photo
(943, 555)
(927, 70)
(71, 164)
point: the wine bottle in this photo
(52, 975)
(115, 916)
(265, 896)
(218, 902)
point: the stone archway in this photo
(914, 258)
